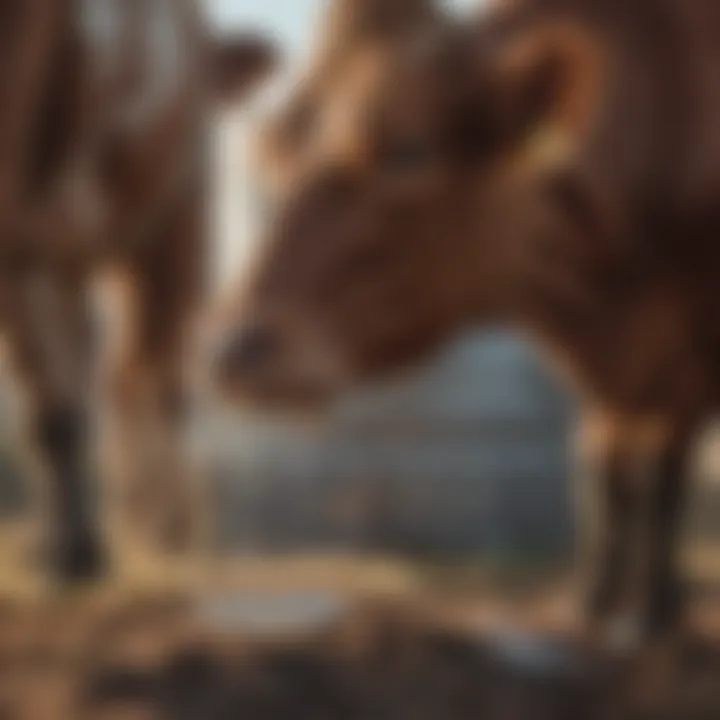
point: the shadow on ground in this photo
(149, 658)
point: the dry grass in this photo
(404, 641)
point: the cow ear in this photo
(549, 88)
(239, 64)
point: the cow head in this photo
(403, 181)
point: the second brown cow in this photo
(552, 166)
(105, 114)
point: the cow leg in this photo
(154, 492)
(616, 503)
(664, 596)
(50, 342)
(642, 486)
(617, 509)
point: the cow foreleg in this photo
(155, 489)
(640, 480)
(50, 339)
(610, 520)
(664, 598)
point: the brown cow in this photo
(107, 109)
(553, 166)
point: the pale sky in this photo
(290, 20)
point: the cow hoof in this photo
(622, 636)
(79, 563)
(540, 656)
(631, 635)
(172, 532)
(176, 535)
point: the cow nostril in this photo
(248, 350)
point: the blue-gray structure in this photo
(469, 455)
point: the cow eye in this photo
(407, 155)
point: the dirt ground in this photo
(396, 642)
(145, 655)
